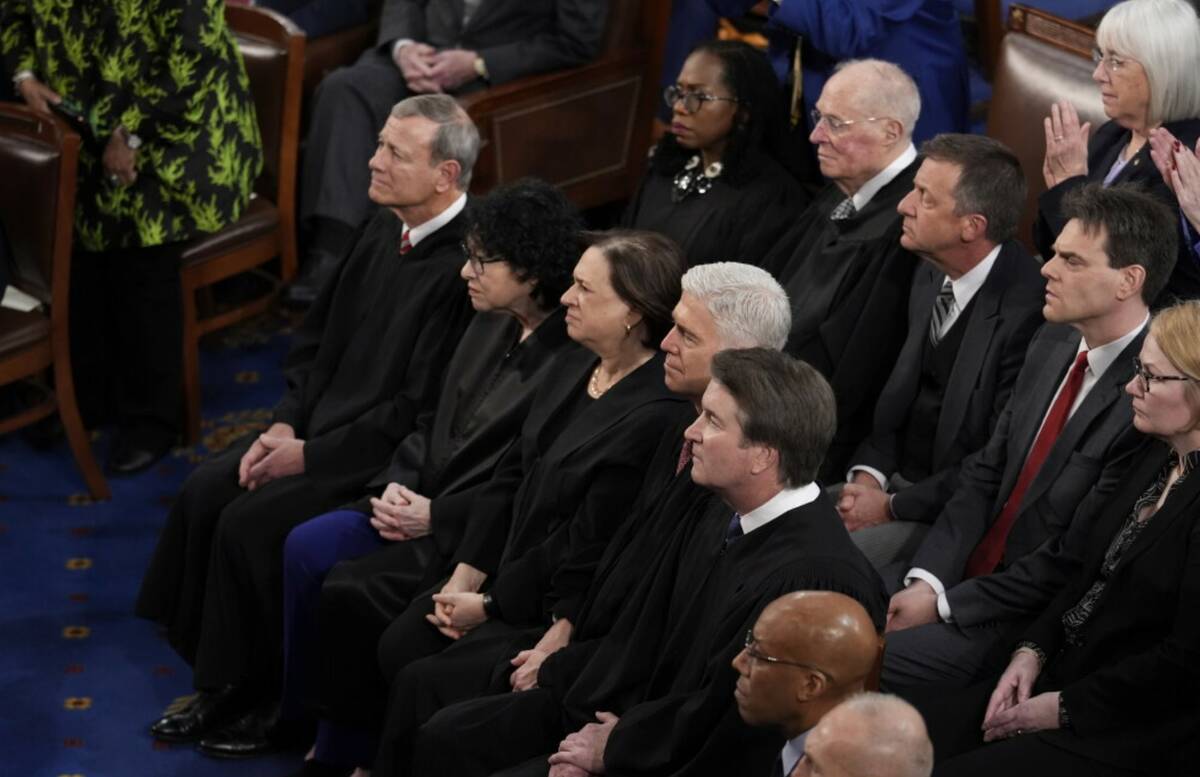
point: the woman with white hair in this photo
(1147, 59)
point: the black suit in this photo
(1104, 147)
(513, 37)
(1040, 554)
(848, 282)
(366, 362)
(1131, 686)
(997, 327)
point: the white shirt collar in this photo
(1101, 357)
(793, 750)
(970, 282)
(421, 231)
(881, 179)
(785, 500)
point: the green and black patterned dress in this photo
(168, 71)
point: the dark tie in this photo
(990, 550)
(844, 210)
(941, 311)
(735, 529)
(405, 243)
(685, 455)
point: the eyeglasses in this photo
(837, 125)
(1146, 377)
(692, 101)
(477, 259)
(1112, 63)
(752, 652)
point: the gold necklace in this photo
(594, 385)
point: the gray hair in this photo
(892, 739)
(749, 306)
(783, 404)
(456, 139)
(1164, 36)
(889, 93)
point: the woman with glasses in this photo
(1147, 61)
(524, 548)
(714, 185)
(1106, 680)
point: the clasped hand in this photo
(1066, 144)
(582, 753)
(428, 70)
(275, 454)
(912, 606)
(863, 503)
(400, 514)
(1011, 710)
(1180, 169)
(458, 608)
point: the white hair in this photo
(892, 738)
(749, 306)
(891, 92)
(1164, 36)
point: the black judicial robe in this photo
(366, 362)
(665, 667)
(728, 223)
(848, 282)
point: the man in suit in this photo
(1009, 537)
(424, 46)
(842, 264)
(808, 652)
(869, 735)
(976, 301)
(655, 694)
(364, 365)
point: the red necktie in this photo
(990, 550)
(405, 243)
(685, 455)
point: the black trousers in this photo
(126, 336)
(215, 580)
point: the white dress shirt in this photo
(785, 500)
(421, 231)
(881, 179)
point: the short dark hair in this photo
(1138, 228)
(759, 124)
(645, 270)
(533, 227)
(784, 404)
(990, 181)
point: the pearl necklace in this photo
(594, 385)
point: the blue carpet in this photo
(80, 676)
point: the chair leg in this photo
(191, 368)
(77, 437)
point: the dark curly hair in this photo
(533, 227)
(759, 122)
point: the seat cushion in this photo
(18, 330)
(260, 218)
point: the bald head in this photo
(869, 735)
(826, 646)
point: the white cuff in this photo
(23, 75)
(880, 478)
(943, 604)
(398, 45)
(944, 608)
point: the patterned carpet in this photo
(80, 677)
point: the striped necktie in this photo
(405, 243)
(844, 210)
(942, 307)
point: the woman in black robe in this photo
(537, 530)
(1105, 681)
(714, 185)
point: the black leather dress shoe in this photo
(318, 270)
(203, 714)
(137, 451)
(253, 734)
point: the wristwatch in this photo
(481, 69)
(489, 606)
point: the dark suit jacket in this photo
(1106, 143)
(514, 37)
(543, 522)
(1087, 461)
(1131, 688)
(1002, 318)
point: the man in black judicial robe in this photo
(366, 362)
(842, 263)
(976, 302)
(661, 679)
(723, 305)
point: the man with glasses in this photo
(655, 695)
(807, 652)
(1011, 535)
(842, 263)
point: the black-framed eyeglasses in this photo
(753, 652)
(1146, 377)
(692, 101)
(1112, 63)
(837, 125)
(478, 260)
